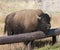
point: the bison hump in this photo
(26, 19)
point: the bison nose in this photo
(49, 26)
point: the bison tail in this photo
(5, 29)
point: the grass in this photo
(48, 47)
(44, 44)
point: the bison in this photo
(27, 20)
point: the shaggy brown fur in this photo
(26, 21)
(8, 20)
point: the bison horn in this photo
(38, 17)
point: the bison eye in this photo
(38, 17)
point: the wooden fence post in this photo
(54, 40)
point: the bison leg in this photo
(28, 45)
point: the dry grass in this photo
(55, 22)
(8, 7)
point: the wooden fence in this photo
(29, 36)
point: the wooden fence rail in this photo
(29, 36)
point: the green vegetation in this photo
(50, 47)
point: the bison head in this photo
(44, 22)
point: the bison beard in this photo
(27, 21)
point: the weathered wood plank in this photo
(28, 36)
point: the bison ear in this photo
(38, 17)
